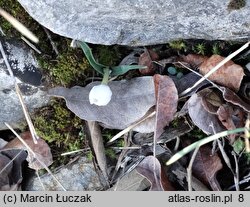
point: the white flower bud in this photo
(100, 95)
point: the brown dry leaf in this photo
(229, 75)
(166, 104)
(225, 115)
(146, 59)
(193, 60)
(41, 149)
(206, 166)
(211, 100)
(11, 168)
(231, 97)
(150, 168)
(200, 116)
(246, 91)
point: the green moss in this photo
(196, 133)
(107, 55)
(200, 49)
(59, 127)
(175, 123)
(238, 146)
(215, 49)
(90, 156)
(121, 143)
(110, 153)
(236, 4)
(178, 45)
(68, 69)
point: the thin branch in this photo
(51, 41)
(34, 155)
(214, 69)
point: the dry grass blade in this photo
(189, 169)
(247, 134)
(26, 114)
(19, 26)
(34, 155)
(216, 68)
(19, 153)
(215, 85)
(31, 45)
(121, 133)
(199, 143)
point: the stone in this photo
(26, 70)
(80, 175)
(142, 22)
(132, 181)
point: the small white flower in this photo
(100, 95)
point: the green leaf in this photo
(88, 53)
(119, 70)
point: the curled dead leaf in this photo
(206, 166)
(150, 168)
(11, 161)
(146, 59)
(231, 97)
(207, 122)
(211, 100)
(166, 104)
(229, 75)
(41, 150)
(193, 60)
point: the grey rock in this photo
(28, 75)
(141, 22)
(133, 181)
(78, 176)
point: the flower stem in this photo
(105, 78)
